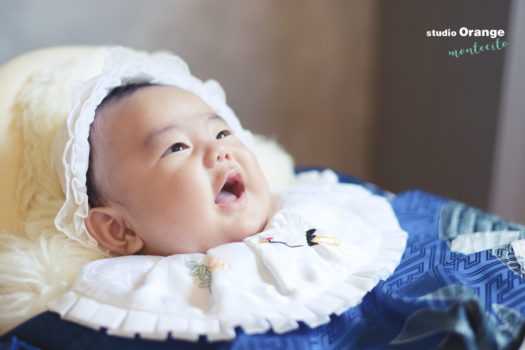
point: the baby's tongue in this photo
(225, 197)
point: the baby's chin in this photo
(231, 238)
(237, 235)
(216, 239)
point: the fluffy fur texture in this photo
(38, 263)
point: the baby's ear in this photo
(110, 230)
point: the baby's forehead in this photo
(154, 109)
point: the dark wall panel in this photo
(436, 115)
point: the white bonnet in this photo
(70, 152)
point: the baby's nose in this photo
(223, 154)
(216, 155)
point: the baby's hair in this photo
(95, 198)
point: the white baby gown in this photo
(325, 247)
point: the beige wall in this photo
(297, 70)
(323, 82)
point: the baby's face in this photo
(182, 181)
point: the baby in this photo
(156, 168)
(167, 175)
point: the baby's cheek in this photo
(185, 197)
(249, 162)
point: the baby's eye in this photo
(177, 147)
(223, 134)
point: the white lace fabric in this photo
(325, 247)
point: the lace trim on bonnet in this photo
(70, 153)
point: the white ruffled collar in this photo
(324, 249)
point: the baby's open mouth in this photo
(232, 190)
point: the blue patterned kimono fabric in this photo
(435, 299)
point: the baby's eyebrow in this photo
(215, 117)
(165, 128)
(152, 135)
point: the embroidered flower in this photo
(200, 271)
